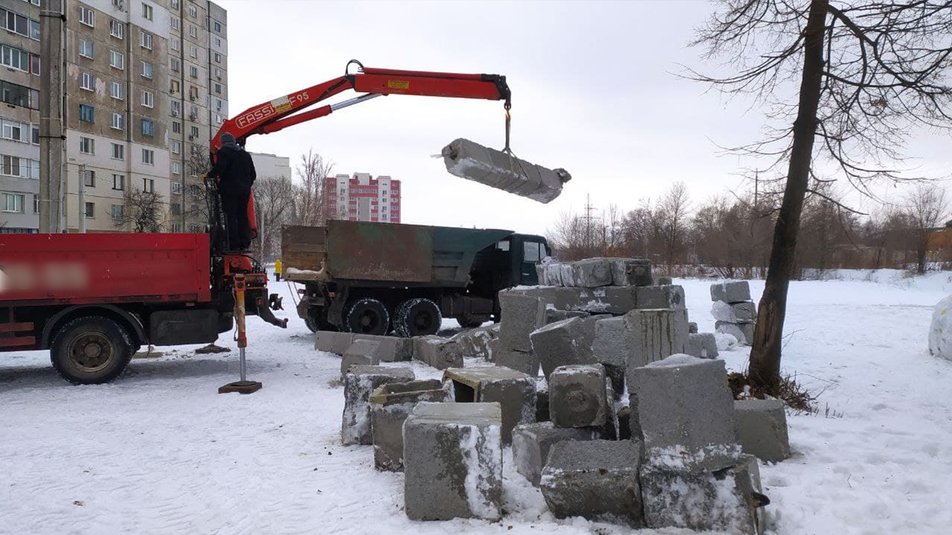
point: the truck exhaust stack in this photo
(501, 170)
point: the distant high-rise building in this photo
(362, 198)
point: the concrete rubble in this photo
(478, 342)
(564, 342)
(360, 353)
(453, 461)
(578, 396)
(655, 334)
(521, 314)
(761, 429)
(439, 352)
(513, 390)
(702, 345)
(531, 444)
(731, 291)
(359, 382)
(597, 480)
(734, 312)
(333, 341)
(671, 296)
(390, 405)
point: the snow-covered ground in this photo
(160, 451)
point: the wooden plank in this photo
(14, 327)
(17, 341)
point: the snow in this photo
(160, 451)
(940, 333)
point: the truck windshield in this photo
(532, 251)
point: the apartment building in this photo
(20, 66)
(362, 198)
(271, 166)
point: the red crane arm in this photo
(292, 109)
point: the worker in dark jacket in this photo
(235, 173)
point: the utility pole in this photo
(81, 212)
(52, 114)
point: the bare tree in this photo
(274, 204)
(672, 213)
(867, 70)
(142, 210)
(309, 205)
(927, 207)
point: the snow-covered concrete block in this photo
(478, 342)
(360, 353)
(591, 273)
(631, 271)
(578, 397)
(551, 274)
(743, 312)
(389, 348)
(513, 390)
(761, 428)
(333, 341)
(390, 404)
(359, 382)
(683, 401)
(553, 315)
(670, 296)
(596, 479)
(712, 491)
(531, 444)
(566, 274)
(439, 352)
(526, 362)
(452, 460)
(940, 330)
(730, 291)
(654, 334)
(564, 342)
(521, 314)
(743, 332)
(603, 300)
(702, 345)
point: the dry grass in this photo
(790, 392)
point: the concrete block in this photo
(683, 401)
(452, 461)
(702, 345)
(670, 296)
(730, 291)
(692, 327)
(744, 312)
(389, 348)
(761, 426)
(478, 342)
(514, 391)
(566, 275)
(551, 274)
(577, 396)
(390, 404)
(596, 479)
(526, 362)
(359, 382)
(521, 314)
(744, 332)
(654, 334)
(441, 353)
(553, 315)
(611, 343)
(702, 492)
(623, 418)
(333, 341)
(592, 273)
(531, 444)
(631, 271)
(634, 422)
(564, 342)
(360, 353)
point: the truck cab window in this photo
(503, 245)
(531, 251)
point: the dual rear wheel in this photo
(416, 316)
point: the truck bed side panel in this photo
(109, 267)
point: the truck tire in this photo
(417, 317)
(470, 322)
(367, 316)
(91, 350)
(316, 320)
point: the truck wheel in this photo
(91, 350)
(418, 317)
(316, 320)
(469, 322)
(368, 316)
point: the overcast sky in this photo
(595, 91)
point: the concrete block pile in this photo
(514, 391)
(359, 383)
(733, 310)
(390, 405)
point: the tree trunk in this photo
(764, 367)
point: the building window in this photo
(147, 127)
(217, 89)
(87, 114)
(117, 211)
(118, 182)
(89, 178)
(19, 24)
(193, 71)
(35, 130)
(13, 130)
(117, 29)
(217, 26)
(148, 185)
(10, 166)
(14, 58)
(115, 91)
(148, 157)
(192, 11)
(174, 87)
(18, 95)
(146, 11)
(218, 41)
(175, 65)
(218, 73)
(117, 60)
(145, 40)
(177, 188)
(175, 23)
(90, 210)
(194, 52)
(87, 16)
(148, 99)
(87, 145)
(118, 121)
(86, 81)
(35, 64)
(217, 57)
(176, 147)
(118, 151)
(194, 134)
(146, 70)
(175, 4)
(176, 108)
(193, 31)
(13, 202)
(87, 49)
(176, 127)
(176, 168)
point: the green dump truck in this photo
(377, 278)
